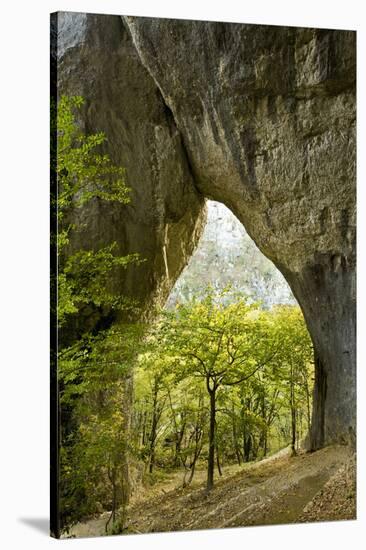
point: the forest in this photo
(218, 377)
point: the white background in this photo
(24, 232)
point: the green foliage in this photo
(94, 375)
(93, 372)
(222, 342)
(83, 174)
(258, 364)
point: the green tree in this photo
(93, 367)
(83, 174)
(294, 366)
(94, 466)
(224, 344)
(154, 379)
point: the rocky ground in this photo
(316, 486)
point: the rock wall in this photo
(163, 222)
(260, 118)
(267, 115)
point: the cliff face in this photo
(163, 222)
(260, 118)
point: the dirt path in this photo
(275, 490)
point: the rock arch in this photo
(260, 118)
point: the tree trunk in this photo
(143, 440)
(238, 456)
(211, 444)
(218, 461)
(307, 392)
(178, 444)
(178, 433)
(293, 412)
(293, 431)
(153, 430)
(265, 444)
(263, 439)
(235, 436)
(247, 446)
(193, 468)
(247, 440)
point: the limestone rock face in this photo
(268, 118)
(260, 118)
(163, 222)
(267, 115)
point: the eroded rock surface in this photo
(163, 222)
(260, 118)
(267, 115)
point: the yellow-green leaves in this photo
(83, 171)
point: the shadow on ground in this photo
(40, 524)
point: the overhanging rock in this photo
(260, 118)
